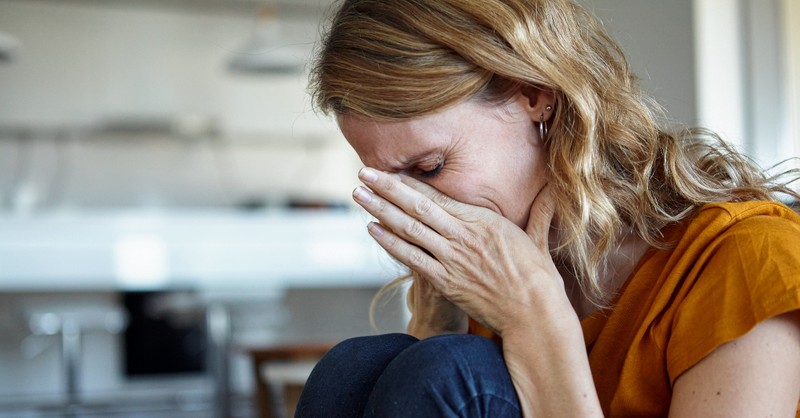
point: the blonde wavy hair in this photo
(614, 169)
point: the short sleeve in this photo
(749, 273)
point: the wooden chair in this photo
(280, 372)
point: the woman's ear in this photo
(537, 103)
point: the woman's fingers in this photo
(410, 255)
(411, 226)
(393, 219)
(423, 204)
(406, 239)
(443, 201)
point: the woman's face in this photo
(478, 153)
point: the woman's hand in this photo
(431, 313)
(497, 273)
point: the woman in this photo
(515, 167)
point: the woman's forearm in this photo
(550, 370)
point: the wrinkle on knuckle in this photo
(416, 259)
(452, 285)
(423, 207)
(441, 199)
(471, 242)
(415, 229)
(380, 206)
(391, 242)
(389, 185)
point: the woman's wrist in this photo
(545, 304)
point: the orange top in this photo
(731, 267)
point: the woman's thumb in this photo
(541, 216)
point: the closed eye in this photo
(427, 174)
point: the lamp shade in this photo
(275, 47)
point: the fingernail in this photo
(375, 229)
(368, 175)
(361, 194)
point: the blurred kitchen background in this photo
(176, 233)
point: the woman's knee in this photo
(370, 349)
(343, 379)
(448, 354)
(449, 375)
(358, 357)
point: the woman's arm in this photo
(757, 375)
(548, 364)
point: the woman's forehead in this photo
(393, 146)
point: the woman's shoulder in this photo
(740, 267)
(715, 221)
(749, 235)
(733, 212)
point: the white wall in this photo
(81, 66)
(720, 74)
(158, 172)
(745, 50)
(791, 31)
(768, 101)
(656, 37)
(84, 63)
(722, 64)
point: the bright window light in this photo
(141, 261)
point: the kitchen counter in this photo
(212, 250)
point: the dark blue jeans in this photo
(397, 375)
